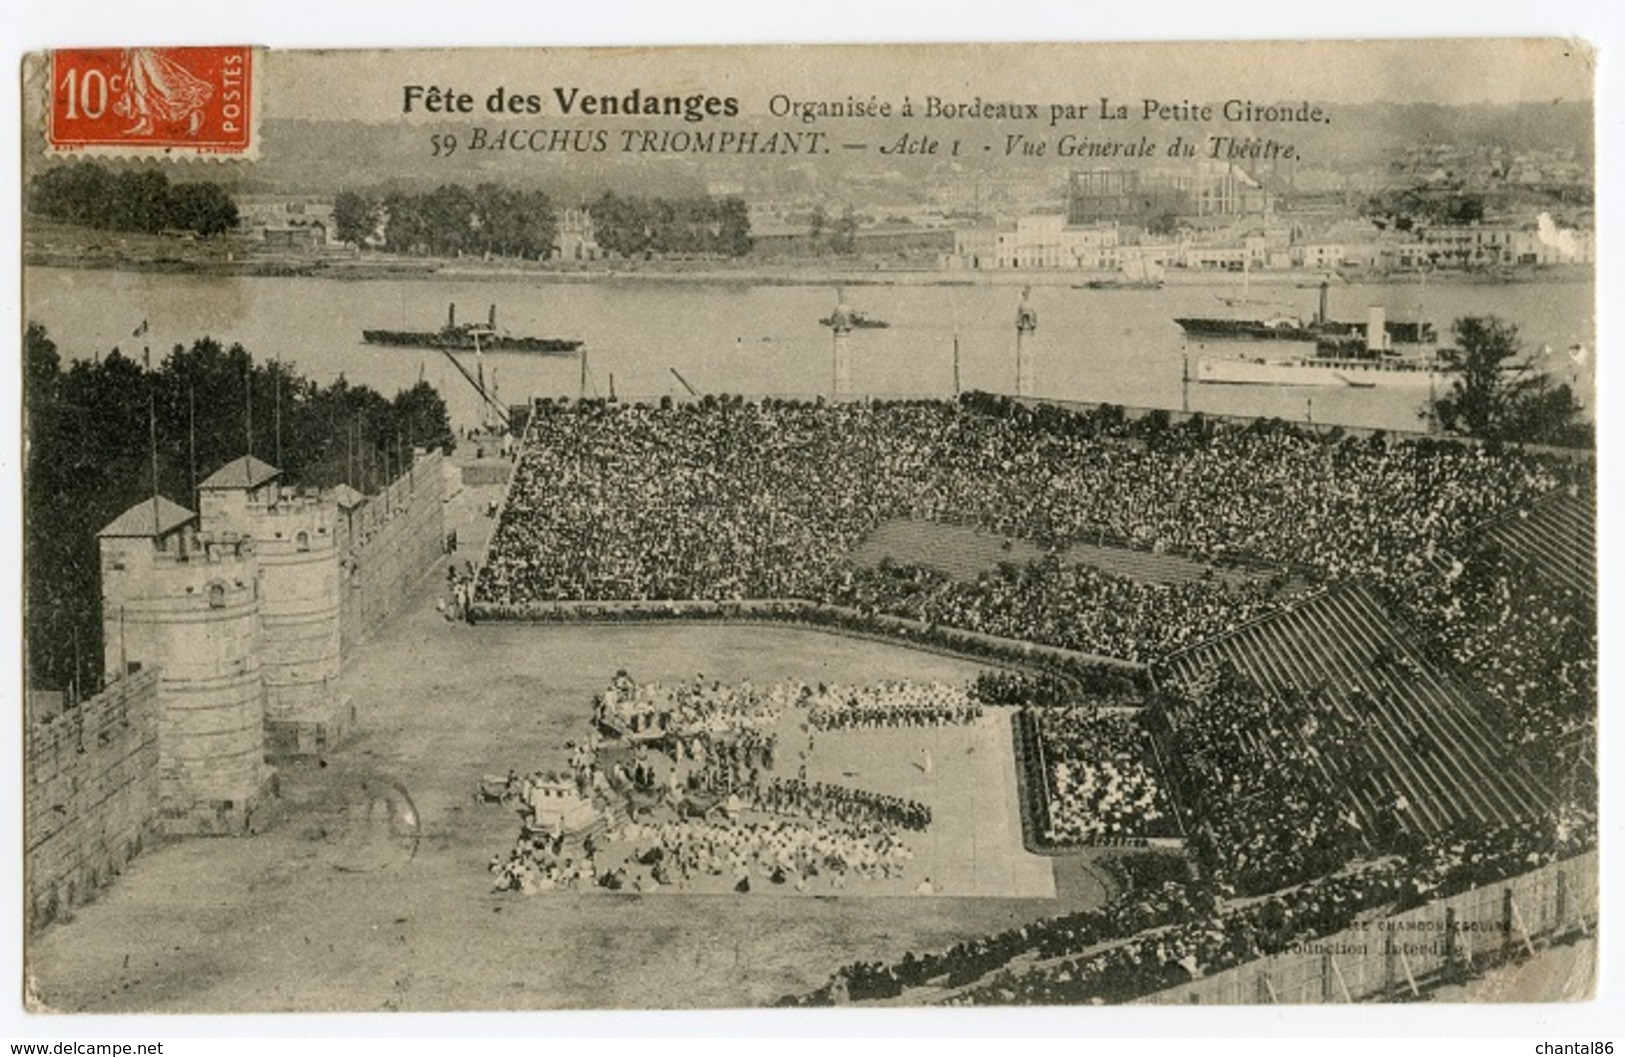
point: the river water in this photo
(1118, 346)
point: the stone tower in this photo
(188, 605)
(297, 552)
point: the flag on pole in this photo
(139, 331)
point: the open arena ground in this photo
(330, 909)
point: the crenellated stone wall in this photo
(91, 774)
(387, 544)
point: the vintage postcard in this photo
(772, 526)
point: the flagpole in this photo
(152, 436)
(278, 417)
(248, 422)
(191, 438)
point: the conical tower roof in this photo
(240, 474)
(148, 519)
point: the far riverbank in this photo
(61, 246)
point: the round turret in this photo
(190, 608)
(299, 617)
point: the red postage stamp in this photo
(153, 100)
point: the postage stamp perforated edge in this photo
(168, 141)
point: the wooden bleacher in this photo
(1556, 539)
(1433, 738)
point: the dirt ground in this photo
(1566, 972)
(367, 888)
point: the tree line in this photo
(450, 221)
(653, 226)
(142, 200)
(837, 236)
(489, 219)
(90, 430)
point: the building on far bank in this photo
(577, 239)
(1036, 242)
(287, 222)
(1488, 245)
(1145, 197)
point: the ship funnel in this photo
(451, 316)
(1376, 330)
(1324, 314)
(492, 318)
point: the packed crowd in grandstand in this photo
(1101, 784)
(731, 500)
(1039, 689)
(1264, 807)
(766, 500)
(1165, 929)
(1294, 827)
(1529, 642)
(1076, 607)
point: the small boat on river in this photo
(471, 337)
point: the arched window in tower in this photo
(217, 596)
(302, 541)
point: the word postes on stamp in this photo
(166, 101)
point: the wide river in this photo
(1114, 346)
